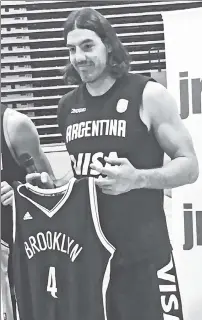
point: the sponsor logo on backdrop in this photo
(189, 88)
(192, 227)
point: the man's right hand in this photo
(42, 180)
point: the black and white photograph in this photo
(101, 160)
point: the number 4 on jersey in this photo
(51, 286)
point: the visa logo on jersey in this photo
(81, 165)
(170, 298)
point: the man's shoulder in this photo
(155, 92)
(158, 103)
(18, 128)
(15, 119)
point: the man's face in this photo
(88, 54)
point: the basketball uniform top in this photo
(110, 125)
(61, 257)
(10, 172)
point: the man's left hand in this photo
(6, 194)
(121, 176)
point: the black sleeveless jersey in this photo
(10, 172)
(110, 125)
(61, 257)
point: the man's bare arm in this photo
(173, 138)
(159, 113)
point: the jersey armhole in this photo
(95, 216)
(60, 118)
(141, 111)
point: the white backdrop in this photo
(183, 45)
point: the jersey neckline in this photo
(67, 189)
(88, 96)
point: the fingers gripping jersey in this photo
(62, 259)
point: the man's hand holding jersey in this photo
(6, 194)
(42, 180)
(121, 176)
(45, 180)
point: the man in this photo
(18, 136)
(117, 127)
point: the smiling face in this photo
(88, 54)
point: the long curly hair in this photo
(87, 18)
